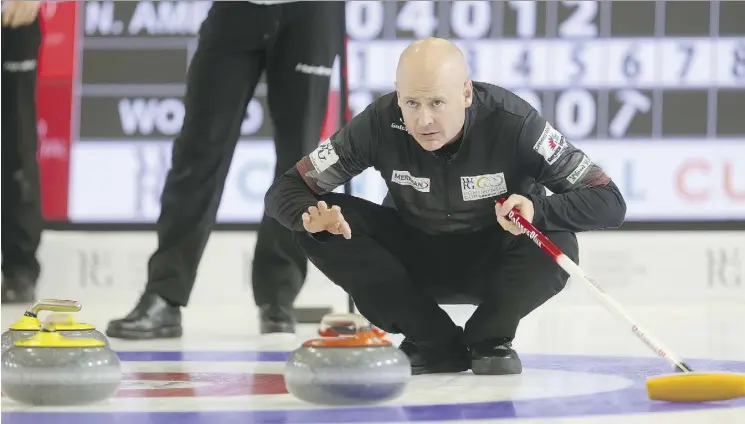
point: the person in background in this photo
(22, 220)
(295, 44)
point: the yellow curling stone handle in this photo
(54, 305)
(49, 337)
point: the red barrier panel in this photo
(56, 104)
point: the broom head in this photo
(696, 387)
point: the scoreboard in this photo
(653, 91)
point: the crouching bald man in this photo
(448, 148)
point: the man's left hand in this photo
(522, 204)
(19, 13)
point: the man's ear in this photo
(468, 93)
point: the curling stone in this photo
(49, 369)
(351, 364)
(29, 323)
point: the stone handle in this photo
(53, 305)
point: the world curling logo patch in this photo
(324, 156)
(483, 186)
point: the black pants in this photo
(237, 43)
(398, 275)
(21, 211)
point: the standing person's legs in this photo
(511, 282)
(22, 221)
(221, 80)
(299, 65)
(375, 267)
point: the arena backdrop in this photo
(652, 90)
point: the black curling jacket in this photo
(506, 147)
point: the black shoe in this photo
(494, 357)
(20, 288)
(431, 358)
(276, 319)
(152, 318)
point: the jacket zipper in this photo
(447, 187)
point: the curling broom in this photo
(684, 386)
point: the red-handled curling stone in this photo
(351, 364)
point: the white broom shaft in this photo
(576, 272)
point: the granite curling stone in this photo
(49, 369)
(29, 324)
(351, 364)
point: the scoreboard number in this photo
(579, 64)
(576, 113)
(738, 62)
(526, 17)
(364, 19)
(522, 66)
(632, 102)
(687, 51)
(631, 65)
(417, 17)
(470, 19)
(581, 22)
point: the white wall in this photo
(638, 268)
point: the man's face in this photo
(433, 109)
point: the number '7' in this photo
(688, 51)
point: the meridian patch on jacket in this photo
(483, 186)
(406, 179)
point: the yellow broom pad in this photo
(696, 387)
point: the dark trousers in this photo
(237, 43)
(398, 275)
(21, 211)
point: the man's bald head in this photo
(432, 58)
(433, 91)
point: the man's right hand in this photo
(322, 218)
